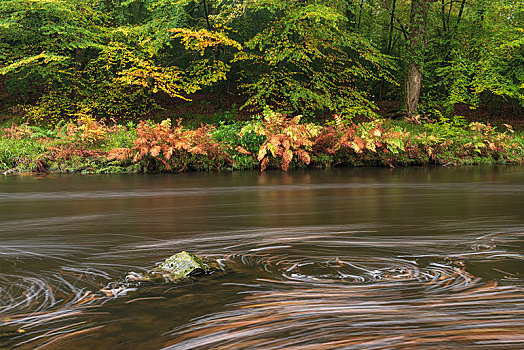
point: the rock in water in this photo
(175, 268)
(182, 265)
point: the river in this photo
(418, 258)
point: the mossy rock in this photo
(182, 265)
(175, 268)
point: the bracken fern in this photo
(286, 138)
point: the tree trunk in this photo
(443, 15)
(413, 85)
(79, 58)
(449, 14)
(206, 13)
(417, 43)
(392, 18)
(461, 11)
(360, 13)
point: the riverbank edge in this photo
(91, 147)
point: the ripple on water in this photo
(379, 292)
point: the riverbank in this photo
(268, 141)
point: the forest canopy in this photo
(124, 59)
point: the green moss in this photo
(182, 265)
(175, 268)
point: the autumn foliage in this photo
(174, 147)
(273, 141)
(64, 142)
(360, 140)
(286, 138)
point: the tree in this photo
(120, 58)
(477, 57)
(42, 41)
(417, 44)
(84, 61)
(303, 56)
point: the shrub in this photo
(285, 139)
(349, 142)
(242, 143)
(449, 142)
(174, 147)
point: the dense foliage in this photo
(104, 59)
(124, 59)
(271, 141)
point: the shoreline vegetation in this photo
(269, 141)
(98, 86)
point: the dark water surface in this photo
(349, 259)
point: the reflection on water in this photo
(353, 258)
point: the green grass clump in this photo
(22, 154)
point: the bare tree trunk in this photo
(206, 13)
(443, 15)
(461, 11)
(417, 43)
(413, 85)
(392, 18)
(449, 13)
(360, 13)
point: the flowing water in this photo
(339, 259)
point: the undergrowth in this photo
(269, 141)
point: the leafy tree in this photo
(119, 58)
(415, 60)
(302, 56)
(475, 54)
(106, 65)
(467, 51)
(42, 42)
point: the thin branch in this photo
(460, 13)
(402, 29)
(391, 26)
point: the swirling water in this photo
(337, 259)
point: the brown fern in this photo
(174, 146)
(69, 152)
(16, 131)
(285, 139)
(121, 154)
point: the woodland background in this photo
(175, 85)
(130, 59)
